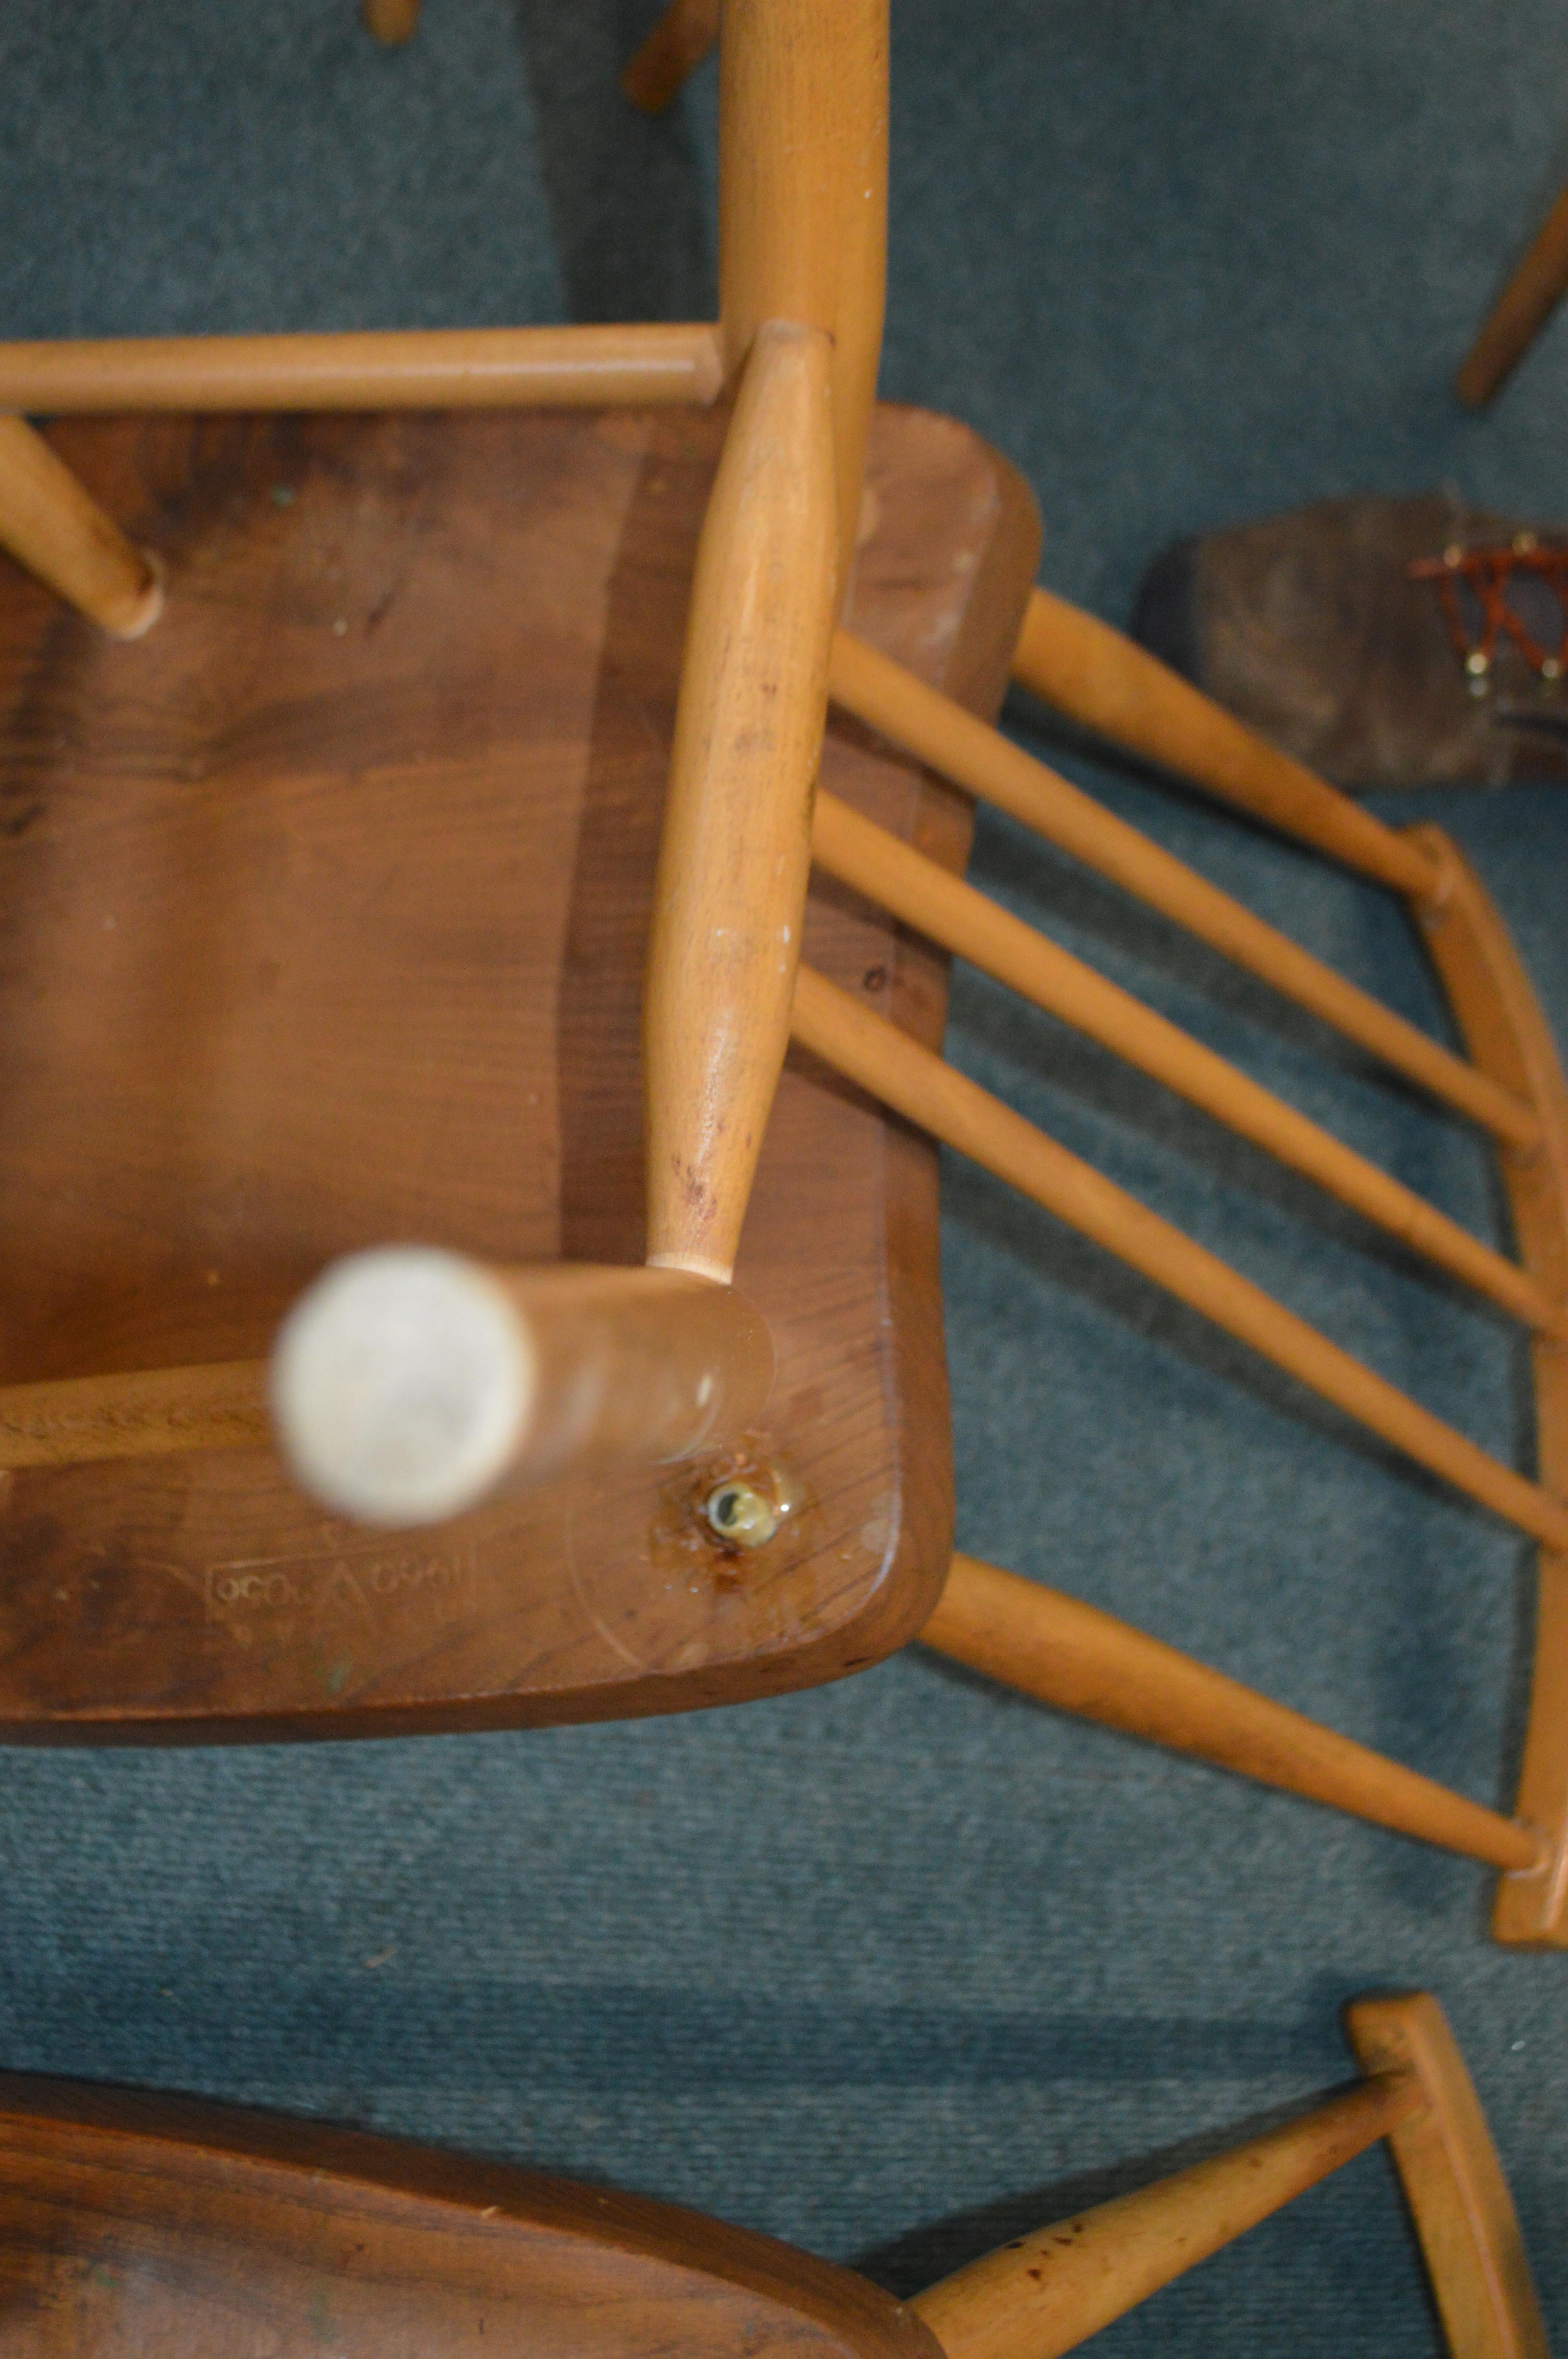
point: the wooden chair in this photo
(148, 2224)
(365, 837)
(166, 1586)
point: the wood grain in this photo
(920, 1086)
(1502, 1023)
(973, 926)
(146, 1413)
(735, 850)
(1102, 678)
(49, 525)
(390, 368)
(1066, 1653)
(979, 759)
(1045, 2293)
(803, 149)
(410, 1383)
(1454, 2183)
(141, 2224)
(325, 910)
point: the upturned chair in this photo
(137, 2222)
(644, 1488)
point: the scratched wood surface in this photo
(134, 2224)
(323, 917)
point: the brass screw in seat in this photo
(741, 1514)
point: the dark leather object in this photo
(1309, 627)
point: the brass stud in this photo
(740, 1514)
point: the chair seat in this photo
(144, 2224)
(324, 910)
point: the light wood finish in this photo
(803, 198)
(847, 1037)
(132, 2221)
(323, 936)
(908, 713)
(1100, 678)
(675, 48)
(410, 1384)
(424, 368)
(50, 524)
(1458, 2198)
(1501, 1023)
(390, 20)
(162, 2227)
(83, 1420)
(1079, 1659)
(899, 878)
(1521, 312)
(1045, 2293)
(736, 849)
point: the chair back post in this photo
(803, 147)
(802, 232)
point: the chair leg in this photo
(1046, 2293)
(1453, 2181)
(50, 526)
(1074, 1658)
(391, 21)
(409, 1385)
(1521, 311)
(672, 52)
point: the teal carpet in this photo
(898, 1967)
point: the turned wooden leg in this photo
(50, 526)
(1073, 1657)
(409, 1383)
(1045, 2294)
(1521, 311)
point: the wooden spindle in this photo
(983, 761)
(876, 1055)
(1100, 676)
(416, 368)
(1079, 1659)
(952, 913)
(1521, 311)
(1045, 2293)
(673, 50)
(409, 1384)
(148, 1413)
(1458, 2198)
(802, 131)
(735, 853)
(50, 526)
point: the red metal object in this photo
(1486, 574)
